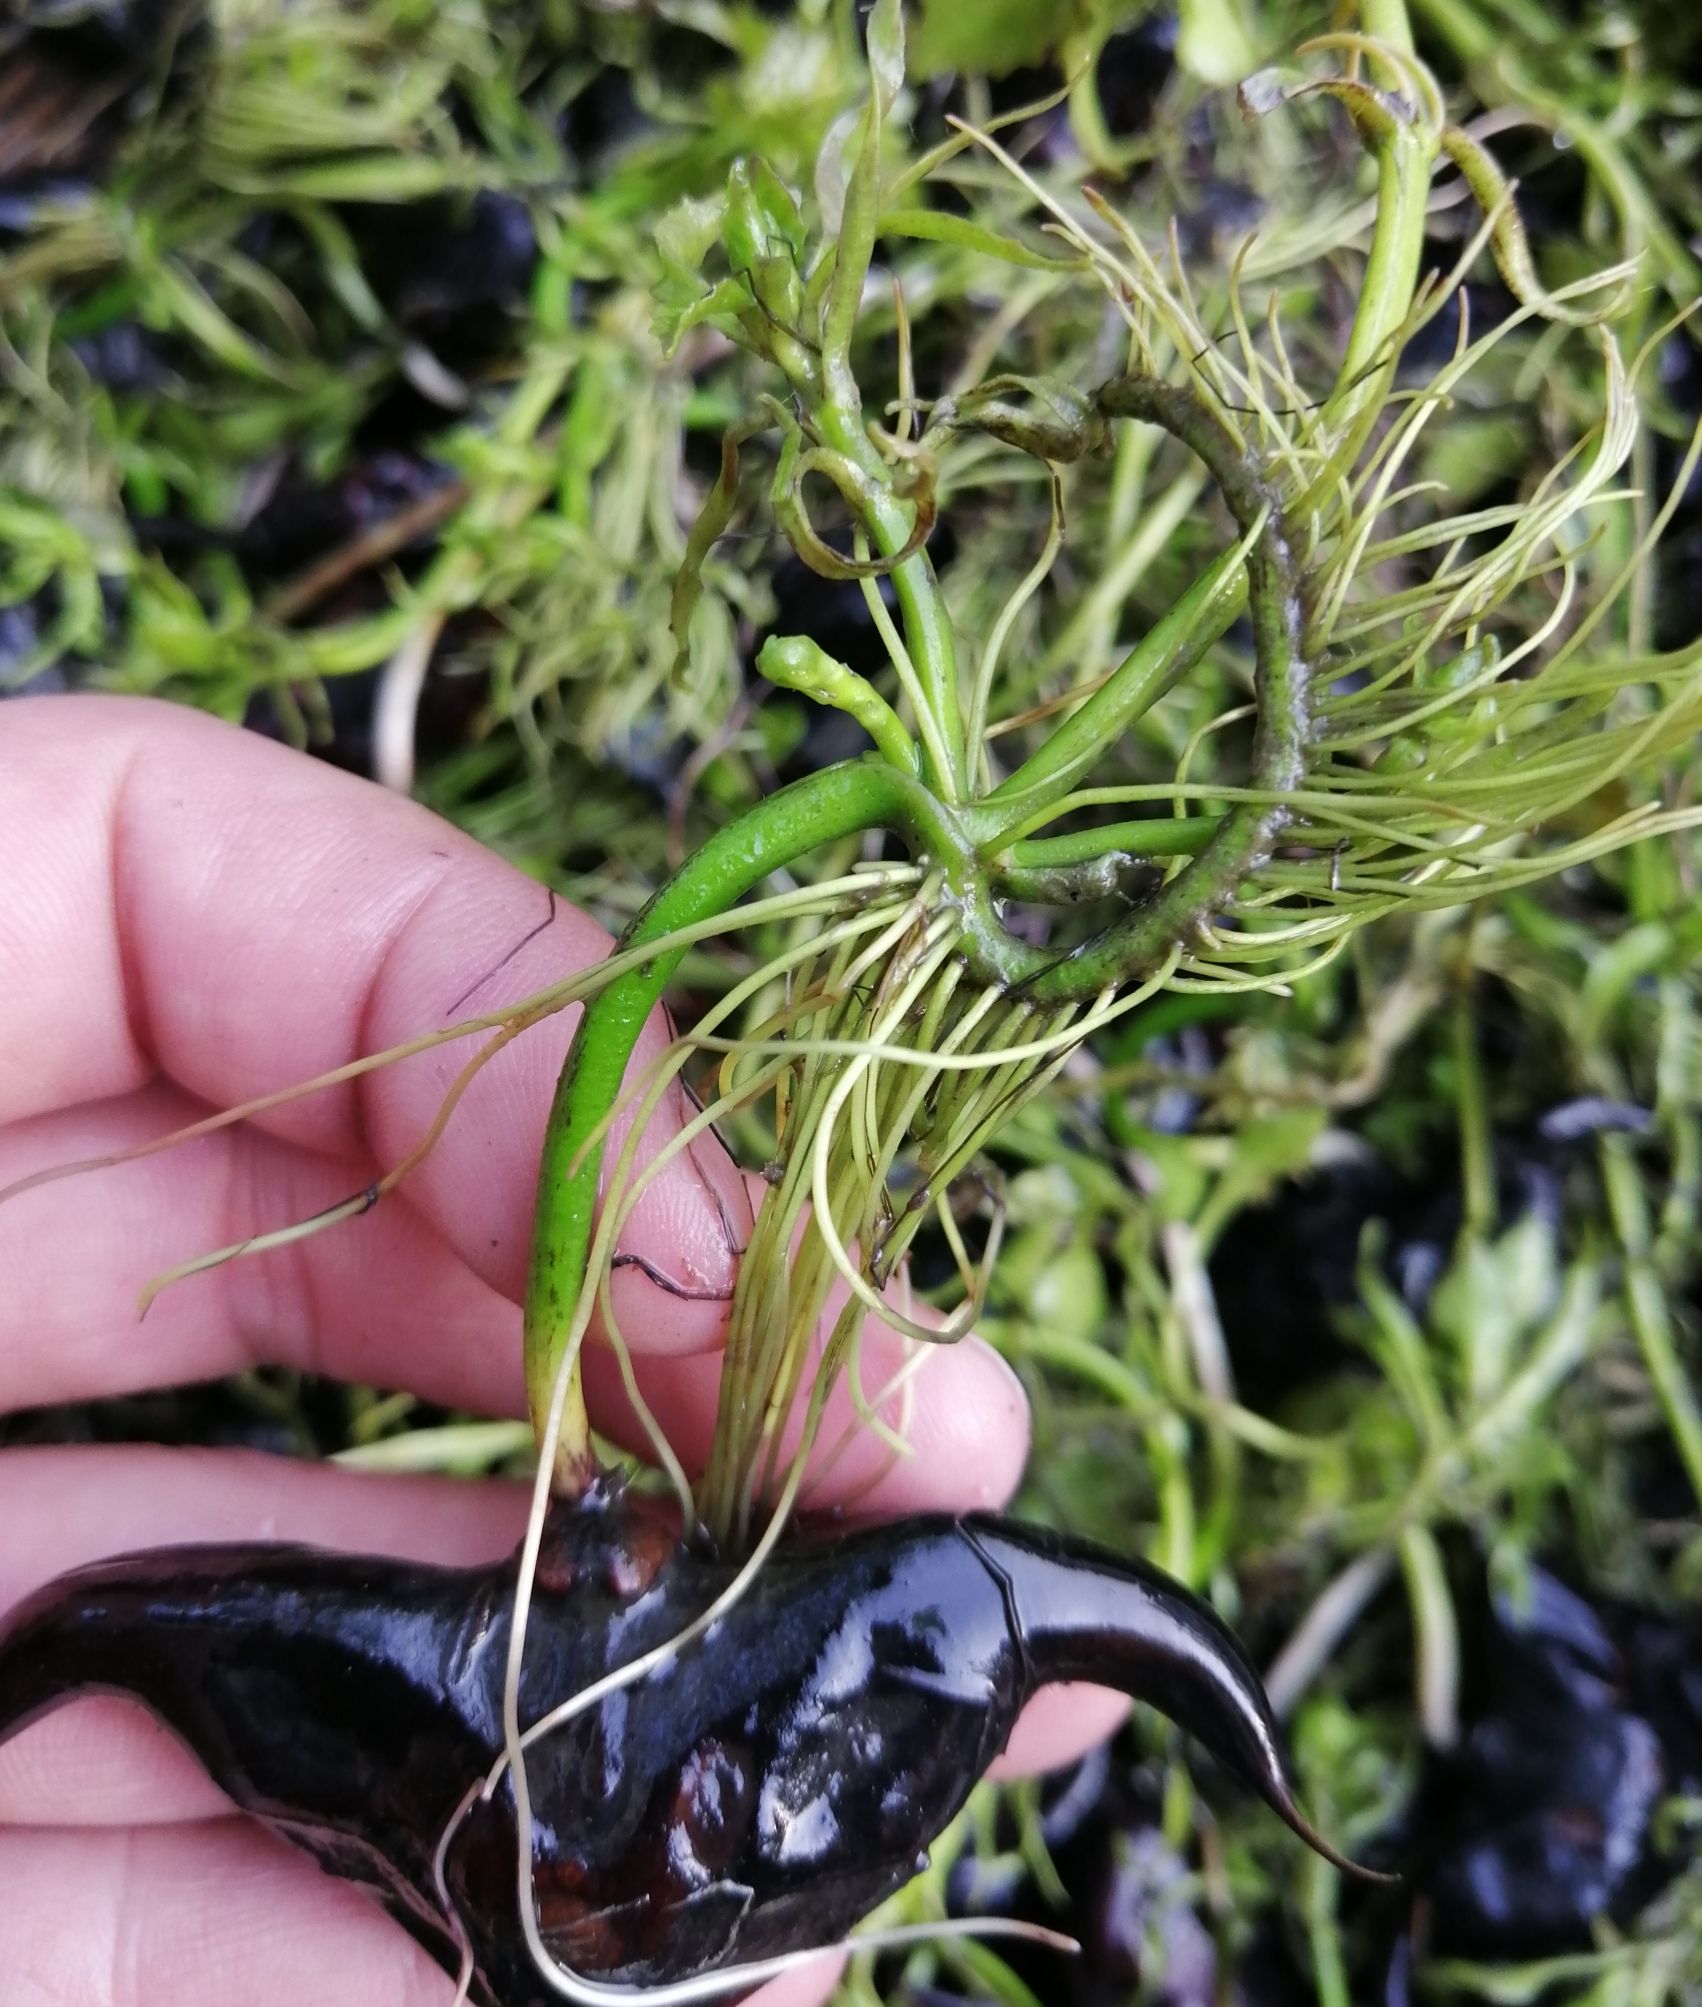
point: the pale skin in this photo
(191, 917)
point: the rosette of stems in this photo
(1434, 707)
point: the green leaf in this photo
(712, 520)
(685, 232)
(1494, 1294)
(762, 218)
(1212, 42)
(886, 51)
(937, 227)
(1178, 1180)
(1042, 415)
(1068, 1295)
(833, 168)
(679, 308)
(992, 37)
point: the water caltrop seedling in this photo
(665, 1755)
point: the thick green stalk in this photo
(1094, 863)
(841, 800)
(1168, 650)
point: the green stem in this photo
(1467, 34)
(836, 409)
(1165, 653)
(837, 802)
(927, 626)
(1154, 836)
(1387, 20)
(1477, 1144)
(1646, 1302)
(1244, 835)
(1437, 1635)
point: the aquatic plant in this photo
(1438, 707)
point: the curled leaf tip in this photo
(1496, 195)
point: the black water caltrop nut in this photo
(773, 1782)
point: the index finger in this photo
(189, 900)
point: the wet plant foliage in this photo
(376, 372)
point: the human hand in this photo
(193, 917)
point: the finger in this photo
(1060, 1725)
(104, 1761)
(198, 1915)
(188, 898)
(360, 1297)
(195, 1916)
(353, 1301)
(64, 1506)
(194, 899)
(807, 1987)
(961, 1413)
